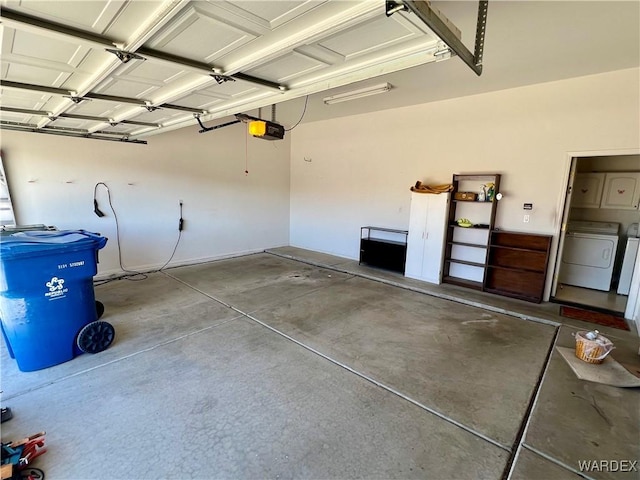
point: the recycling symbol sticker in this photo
(56, 288)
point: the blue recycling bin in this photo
(47, 302)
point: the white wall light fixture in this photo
(363, 92)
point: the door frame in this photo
(5, 202)
(632, 310)
(564, 217)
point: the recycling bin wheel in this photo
(99, 309)
(96, 337)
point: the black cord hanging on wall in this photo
(131, 275)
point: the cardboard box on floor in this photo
(609, 372)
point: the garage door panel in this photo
(121, 128)
(126, 88)
(93, 15)
(288, 67)
(18, 117)
(26, 99)
(61, 122)
(31, 74)
(151, 72)
(96, 108)
(157, 116)
(230, 89)
(269, 15)
(370, 36)
(199, 35)
(201, 100)
(41, 47)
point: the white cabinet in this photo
(587, 190)
(621, 191)
(427, 231)
(614, 190)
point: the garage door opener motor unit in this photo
(266, 130)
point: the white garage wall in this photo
(356, 171)
(225, 211)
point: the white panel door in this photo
(425, 243)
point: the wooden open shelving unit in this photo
(512, 264)
(465, 247)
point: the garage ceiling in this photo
(126, 69)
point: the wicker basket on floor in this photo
(592, 351)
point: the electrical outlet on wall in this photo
(526, 219)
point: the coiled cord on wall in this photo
(130, 274)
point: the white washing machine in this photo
(589, 254)
(629, 260)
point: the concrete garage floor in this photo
(264, 366)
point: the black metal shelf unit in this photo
(383, 247)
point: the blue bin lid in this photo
(47, 242)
